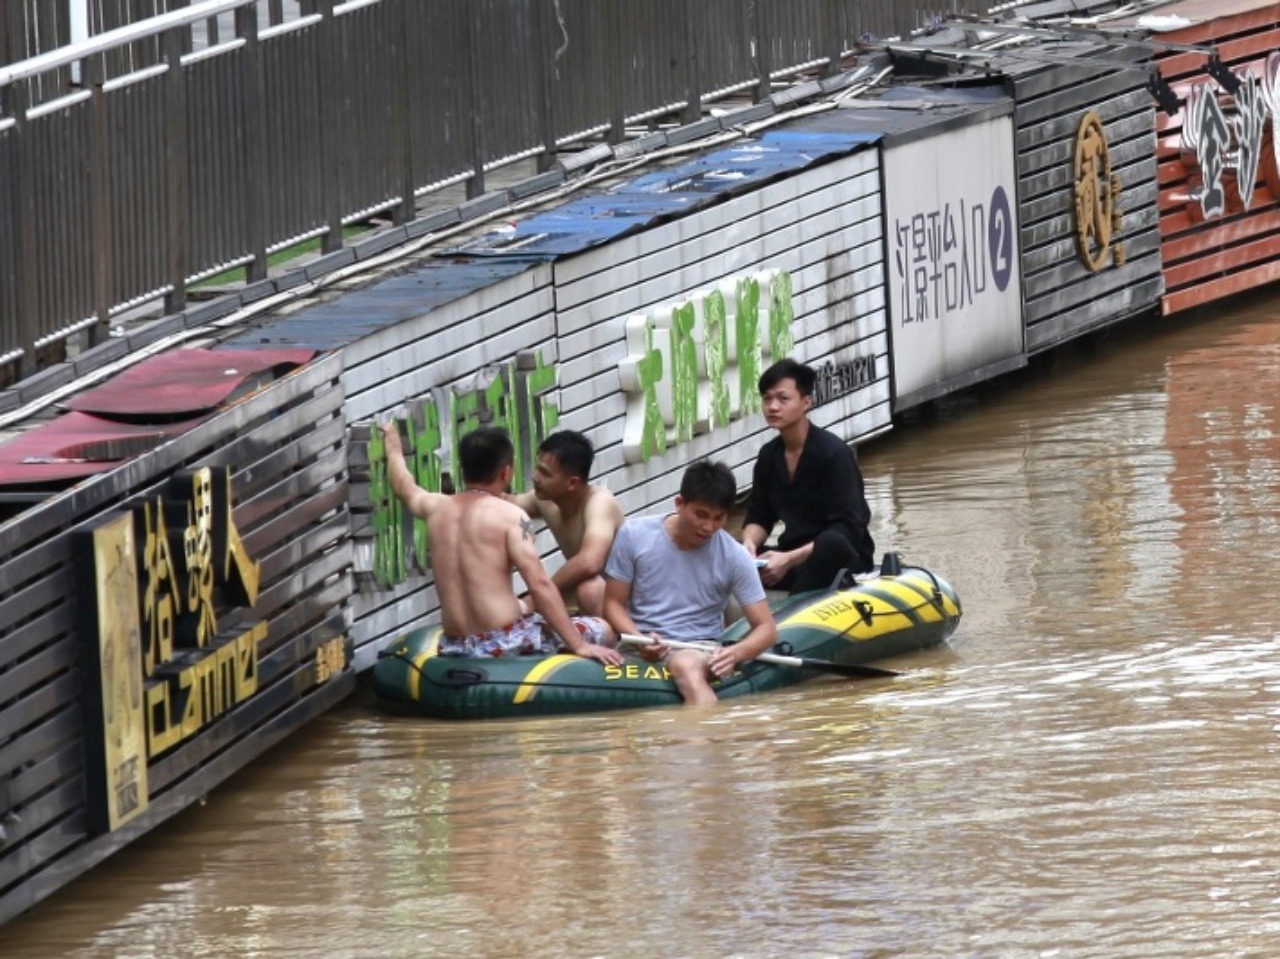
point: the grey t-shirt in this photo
(681, 593)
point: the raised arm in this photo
(419, 501)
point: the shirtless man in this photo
(583, 518)
(477, 538)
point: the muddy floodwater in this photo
(1090, 768)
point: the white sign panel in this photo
(955, 296)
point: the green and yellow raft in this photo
(886, 615)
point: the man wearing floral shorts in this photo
(527, 636)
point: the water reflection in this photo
(1089, 770)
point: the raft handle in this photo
(463, 677)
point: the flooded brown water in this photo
(1092, 768)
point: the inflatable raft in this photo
(887, 614)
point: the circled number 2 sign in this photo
(1000, 238)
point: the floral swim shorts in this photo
(527, 636)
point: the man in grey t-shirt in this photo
(670, 576)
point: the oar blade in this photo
(849, 670)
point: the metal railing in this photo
(152, 155)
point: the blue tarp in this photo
(579, 224)
(590, 221)
(357, 314)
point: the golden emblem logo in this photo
(1097, 197)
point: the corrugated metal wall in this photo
(1064, 297)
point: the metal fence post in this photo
(693, 88)
(255, 132)
(475, 184)
(401, 49)
(764, 88)
(330, 127)
(834, 29)
(546, 46)
(23, 203)
(100, 207)
(176, 158)
(618, 74)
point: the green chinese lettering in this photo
(641, 371)
(684, 372)
(716, 339)
(781, 315)
(424, 421)
(537, 415)
(746, 318)
(388, 543)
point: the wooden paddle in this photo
(848, 670)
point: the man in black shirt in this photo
(807, 478)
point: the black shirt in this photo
(826, 493)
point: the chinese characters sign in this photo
(955, 301)
(1227, 149)
(515, 396)
(155, 579)
(1097, 197)
(692, 365)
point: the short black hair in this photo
(710, 483)
(788, 369)
(483, 452)
(572, 451)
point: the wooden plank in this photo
(42, 773)
(50, 626)
(1038, 152)
(1060, 179)
(315, 540)
(310, 608)
(446, 358)
(294, 589)
(40, 836)
(1224, 233)
(1259, 40)
(32, 560)
(1123, 303)
(43, 735)
(678, 271)
(321, 438)
(1121, 91)
(1177, 300)
(311, 510)
(294, 485)
(38, 702)
(1226, 260)
(860, 266)
(31, 601)
(49, 664)
(1054, 243)
(1141, 255)
(1210, 31)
